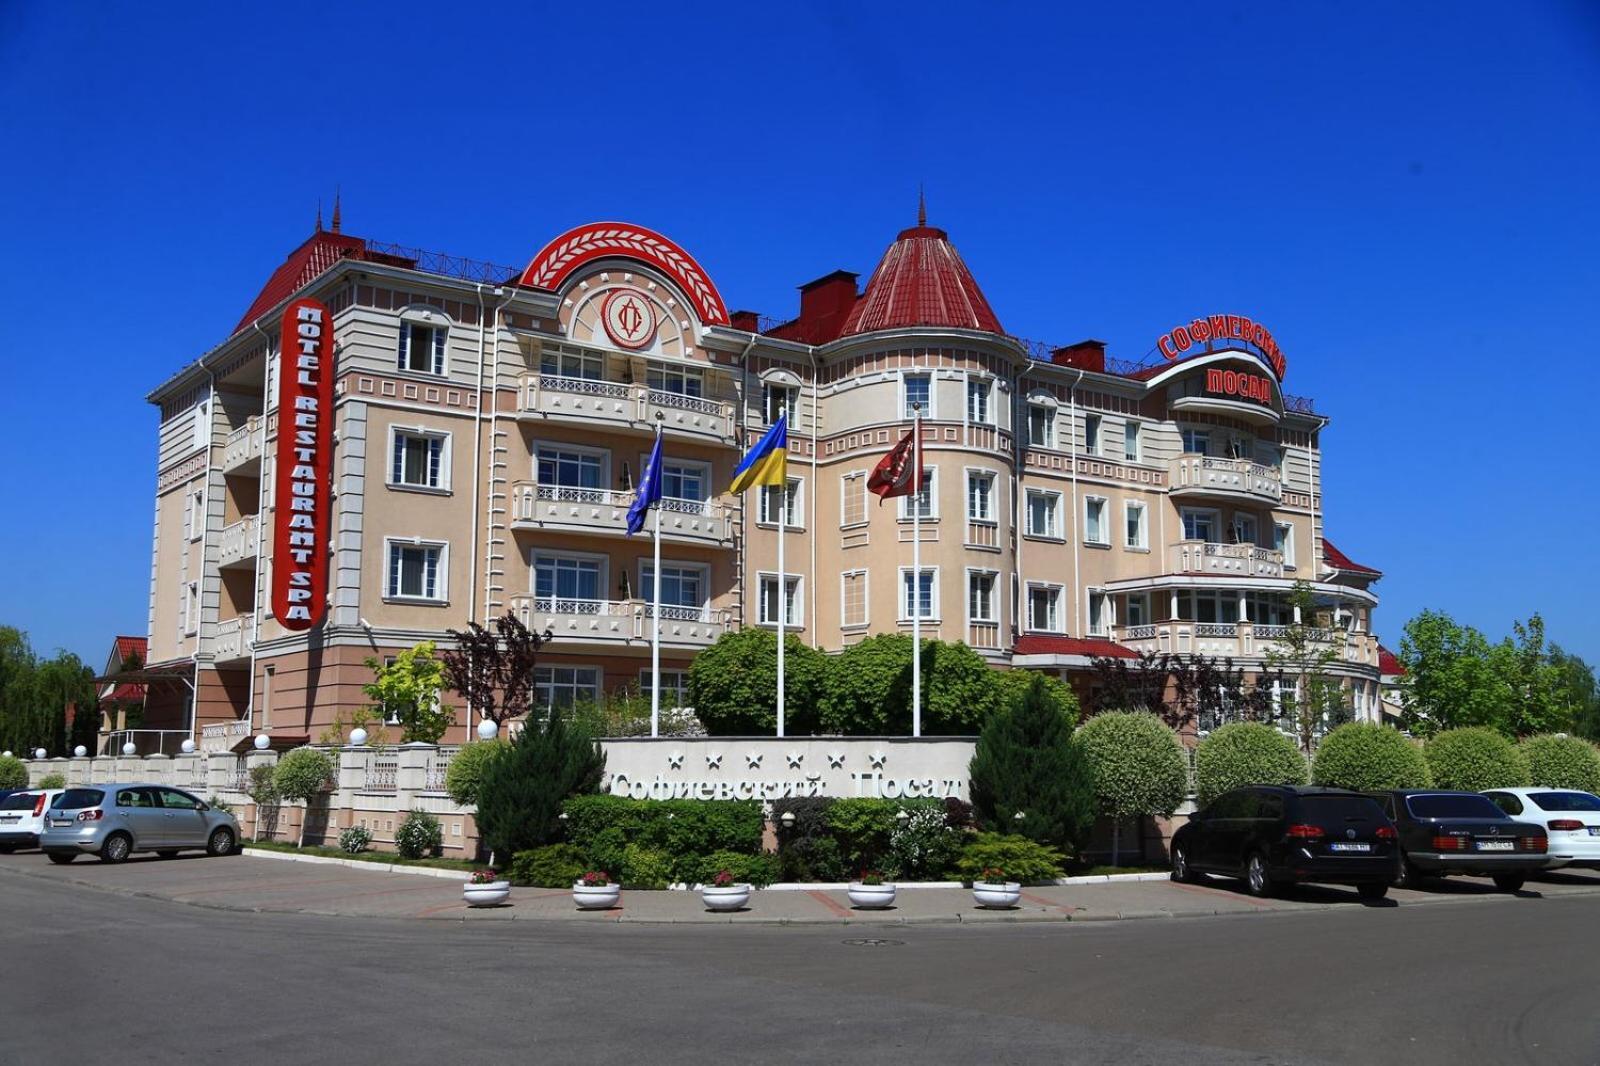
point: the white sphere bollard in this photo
(358, 737)
(129, 749)
(8, 753)
(39, 753)
(487, 729)
(188, 747)
(262, 741)
(80, 751)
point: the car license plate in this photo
(1349, 847)
(1594, 830)
(61, 823)
(1497, 845)
(10, 819)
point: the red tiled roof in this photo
(319, 252)
(121, 648)
(1340, 561)
(921, 281)
(1045, 644)
(1389, 663)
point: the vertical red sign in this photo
(302, 478)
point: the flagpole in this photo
(655, 612)
(783, 579)
(916, 571)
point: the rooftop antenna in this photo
(922, 207)
(319, 214)
(335, 209)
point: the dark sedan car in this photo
(1276, 835)
(1445, 833)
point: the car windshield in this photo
(76, 798)
(1445, 805)
(1566, 801)
(21, 801)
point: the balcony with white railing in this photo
(1240, 640)
(1224, 560)
(1212, 475)
(223, 736)
(624, 406)
(242, 448)
(237, 544)
(231, 639)
(618, 622)
(569, 509)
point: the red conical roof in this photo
(921, 281)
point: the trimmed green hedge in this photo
(1474, 759)
(1562, 762)
(1246, 753)
(552, 866)
(1017, 857)
(838, 839)
(1369, 758)
(686, 832)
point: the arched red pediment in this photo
(557, 261)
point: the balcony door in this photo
(683, 590)
(564, 584)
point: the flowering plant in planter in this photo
(595, 879)
(870, 877)
(482, 877)
(992, 875)
(723, 879)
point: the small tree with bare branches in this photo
(493, 669)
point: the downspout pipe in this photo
(261, 507)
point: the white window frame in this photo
(439, 343)
(602, 581)
(1209, 512)
(905, 398)
(577, 449)
(1132, 446)
(441, 588)
(1093, 596)
(194, 513)
(1052, 412)
(794, 505)
(991, 500)
(933, 593)
(679, 691)
(797, 619)
(1105, 512)
(1287, 528)
(1237, 528)
(1057, 593)
(1142, 543)
(771, 388)
(596, 692)
(706, 482)
(559, 354)
(864, 576)
(930, 485)
(994, 595)
(440, 435)
(983, 385)
(852, 483)
(189, 608)
(200, 430)
(1092, 442)
(1142, 599)
(682, 374)
(1054, 499)
(704, 570)
(1194, 434)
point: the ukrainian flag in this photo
(768, 462)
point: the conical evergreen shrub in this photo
(1026, 764)
(522, 789)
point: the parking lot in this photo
(268, 882)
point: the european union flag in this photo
(649, 492)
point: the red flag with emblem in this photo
(900, 472)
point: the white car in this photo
(22, 817)
(1572, 819)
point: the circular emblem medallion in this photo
(628, 318)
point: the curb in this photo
(356, 864)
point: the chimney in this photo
(749, 321)
(1085, 355)
(825, 304)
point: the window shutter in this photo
(438, 351)
(405, 345)
(431, 572)
(435, 454)
(398, 475)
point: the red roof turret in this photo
(921, 281)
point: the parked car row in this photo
(112, 821)
(1273, 836)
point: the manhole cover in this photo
(872, 942)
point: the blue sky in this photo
(1407, 197)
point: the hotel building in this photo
(489, 424)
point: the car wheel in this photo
(60, 859)
(116, 848)
(167, 854)
(1182, 872)
(1373, 890)
(221, 843)
(1406, 874)
(1256, 878)
(1510, 882)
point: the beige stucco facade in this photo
(488, 437)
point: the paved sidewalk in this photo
(253, 883)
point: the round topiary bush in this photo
(53, 781)
(419, 835)
(354, 840)
(1246, 753)
(13, 772)
(1137, 767)
(465, 772)
(1562, 762)
(1369, 758)
(1474, 759)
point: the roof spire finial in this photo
(922, 206)
(319, 214)
(335, 226)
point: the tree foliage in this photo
(733, 684)
(1475, 758)
(1455, 679)
(301, 774)
(1246, 753)
(13, 772)
(407, 690)
(1183, 690)
(1577, 692)
(493, 669)
(464, 776)
(521, 791)
(1315, 701)
(1369, 758)
(1562, 762)
(1028, 777)
(1137, 766)
(868, 686)
(35, 693)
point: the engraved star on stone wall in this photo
(835, 759)
(714, 758)
(753, 758)
(877, 759)
(675, 760)
(795, 759)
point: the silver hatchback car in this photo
(114, 820)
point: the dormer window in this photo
(421, 348)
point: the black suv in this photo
(1275, 835)
(1462, 833)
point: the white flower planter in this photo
(997, 897)
(725, 898)
(596, 897)
(488, 895)
(870, 897)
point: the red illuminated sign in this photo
(304, 466)
(1256, 387)
(1223, 328)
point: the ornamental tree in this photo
(407, 690)
(13, 772)
(1315, 701)
(493, 670)
(301, 774)
(1474, 759)
(1028, 777)
(733, 684)
(464, 776)
(1556, 761)
(1246, 753)
(1137, 765)
(1368, 757)
(520, 791)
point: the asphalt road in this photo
(92, 977)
